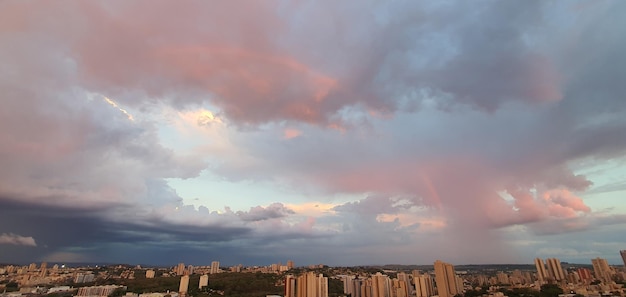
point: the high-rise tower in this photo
(307, 285)
(204, 281)
(180, 269)
(184, 286)
(542, 275)
(445, 279)
(423, 285)
(555, 271)
(601, 269)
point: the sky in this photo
(335, 132)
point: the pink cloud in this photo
(566, 199)
(291, 133)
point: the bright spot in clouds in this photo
(112, 103)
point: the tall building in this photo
(423, 285)
(180, 269)
(290, 264)
(184, 286)
(150, 273)
(307, 285)
(290, 286)
(204, 281)
(357, 284)
(399, 288)
(601, 269)
(623, 254)
(445, 279)
(503, 278)
(322, 286)
(348, 288)
(583, 274)
(555, 271)
(381, 285)
(97, 290)
(83, 278)
(43, 269)
(366, 288)
(407, 280)
(542, 274)
(215, 267)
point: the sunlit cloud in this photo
(112, 103)
(290, 133)
(312, 209)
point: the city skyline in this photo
(441, 279)
(352, 133)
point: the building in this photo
(204, 281)
(381, 285)
(601, 269)
(180, 269)
(445, 279)
(423, 285)
(306, 285)
(150, 273)
(584, 274)
(399, 288)
(348, 288)
(215, 267)
(290, 264)
(555, 271)
(97, 290)
(542, 274)
(503, 278)
(407, 280)
(290, 286)
(84, 278)
(184, 286)
(623, 254)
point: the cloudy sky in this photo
(343, 133)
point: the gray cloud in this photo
(259, 213)
(14, 239)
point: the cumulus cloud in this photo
(259, 213)
(14, 239)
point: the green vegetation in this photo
(520, 292)
(239, 284)
(514, 292)
(12, 287)
(475, 293)
(229, 284)
(550, 290)
(335, 287)
(144, 285)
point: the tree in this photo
(550, 290)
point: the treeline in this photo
(549, 290)
(228, 283)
